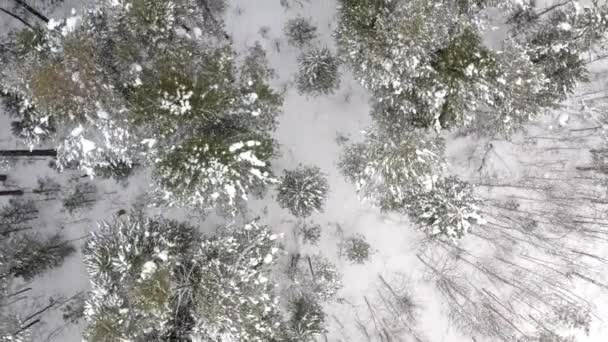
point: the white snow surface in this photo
(307, 133)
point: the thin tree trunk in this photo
(28, 153)
(312, 272)
(24, 328)
(591, 168)
(41, 311)
(11, 193)
(19, 292)
(17, 17)
(6, 232)
(32, 10)
(552, 8)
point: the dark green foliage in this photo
(141, 79)
(447, 211)
(254, 73)
(465, 51)
(159, 280)
(303, 191)
(557, 44)
(73, 311)
(300, 31)
(307, 319)
(522, 18)
(192, 170)
(138, 254)
(181, 89)
(388, 167)
(16, 213)
(356, 249)
(558, 55)
(318, 73)
(235, 265)
(427, 66)
(33, 257)
(311, 233)
(118, 170)
(26, 127)
(361, 15)
(83, 195)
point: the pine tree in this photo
(16, 214)
(118, 170)
(447, 210)
(303, 191)
(32, 256)
(557, 44)
(356, 249)
(160, 280)
(80, 197)
(318, 73)
(236, 297)
(142, 82)
(130, 264)
(300, 31)
(388, 168)
(310, 232)
(426, 64)
(11, 325)
(317, 277)
(307, 319)
(23, 256)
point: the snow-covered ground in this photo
(307, 133)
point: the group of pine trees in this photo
(157, 84)
(141, 83)
(430, 71)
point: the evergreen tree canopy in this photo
(318, 74)
(158, 280)
(303, 191)
(130, 264)
(558, 42)
(140, 81)
(387, 168)
(426, 64)
(300, 31)
(446, 211)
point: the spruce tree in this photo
(300, 31)
(446, 211)
(558, 42)
(389, 168)
(307, 319)
(426, 65)
(318, 73)
(32, 257)
(158, 280)
(303, 191)
(143, 82)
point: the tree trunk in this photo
(11, 193)
(592, 168)
(14, 230)
(24, 328)
(32, 10)
(23, 21)
(28, 153)
(552, 8)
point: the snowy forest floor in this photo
(308, 132)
